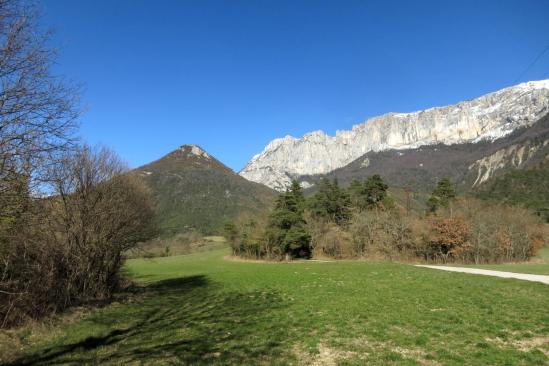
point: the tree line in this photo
(363, 221)
(68, 211)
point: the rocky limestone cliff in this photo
(489, 117)
(514, 156)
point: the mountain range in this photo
(496, 146)
(468, 165)
(479, 121)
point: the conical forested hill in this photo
(192, 189)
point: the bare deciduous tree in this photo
(38, 114)
(38, 110)
(101, 211)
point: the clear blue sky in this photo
(233, 75)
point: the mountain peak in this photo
(194, 150)
(534, 84)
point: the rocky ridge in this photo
(488, 117)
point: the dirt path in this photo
(487, 272)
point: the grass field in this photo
(533, 268)
(202, 309)
(166, 247)
(539, 265)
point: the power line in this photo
(532, 64)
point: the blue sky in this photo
(233, 75)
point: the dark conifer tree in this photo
(443, 193)
(286, 228)
(331, 203)
(370, 194)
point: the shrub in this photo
(69, 247)
(502, 233)
(251, 243)
(380, 234)
(472, 231)
(230, 231)
(449, 238)
(330, 240)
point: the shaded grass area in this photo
(200, 309)
(183, 320)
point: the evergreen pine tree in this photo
(286, 228)
(369, 194)
(376, 190)
(331, 202)
(441, 196)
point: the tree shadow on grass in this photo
(179, 321)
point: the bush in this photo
(380, 234)
(502, 233)
(449, 238)
(68, 248)
(251, 242)
(330, 240)
(376, 234)
(472, 231)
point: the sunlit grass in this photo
(538, 265)
(201, 309)
(532, 268)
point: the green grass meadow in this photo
(538, 265)
(206, 310)
(531, 268)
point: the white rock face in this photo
(195, 150)
(514, 156)
(488, 117)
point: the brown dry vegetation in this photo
(469, 231)
(68, 248)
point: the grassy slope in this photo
(200, 309)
